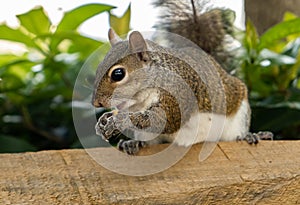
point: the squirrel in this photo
(161, 93)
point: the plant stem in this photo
(29, 124)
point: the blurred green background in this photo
(36, 87)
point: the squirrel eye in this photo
(118, 74)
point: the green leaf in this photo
(251, 37)
(74, 18)
(279, 31)
(292, 48)
(80, 42)
(9, 82)
(121, 25)
(297, 82)
(291, 73)
(275, 58)
(7, 33)
(19, 67)
(10, 144)
(84, 45)
(289, 16)
(35, 21)
(7, 60)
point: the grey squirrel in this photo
(161, 93)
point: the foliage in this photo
(121, 24)
(36, 86)
(271, 69)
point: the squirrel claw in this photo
(253, 138)
(105, 126)
(131, 147)
(265, 135)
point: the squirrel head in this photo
(114, 72)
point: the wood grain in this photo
(235, 173)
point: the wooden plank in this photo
(234, 173)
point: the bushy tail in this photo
(207, 28)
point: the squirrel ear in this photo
(137, 44)
(113, 37)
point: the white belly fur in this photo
(213, 127)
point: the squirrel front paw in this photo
(106, 126)
(130, 147)
(253, 138)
